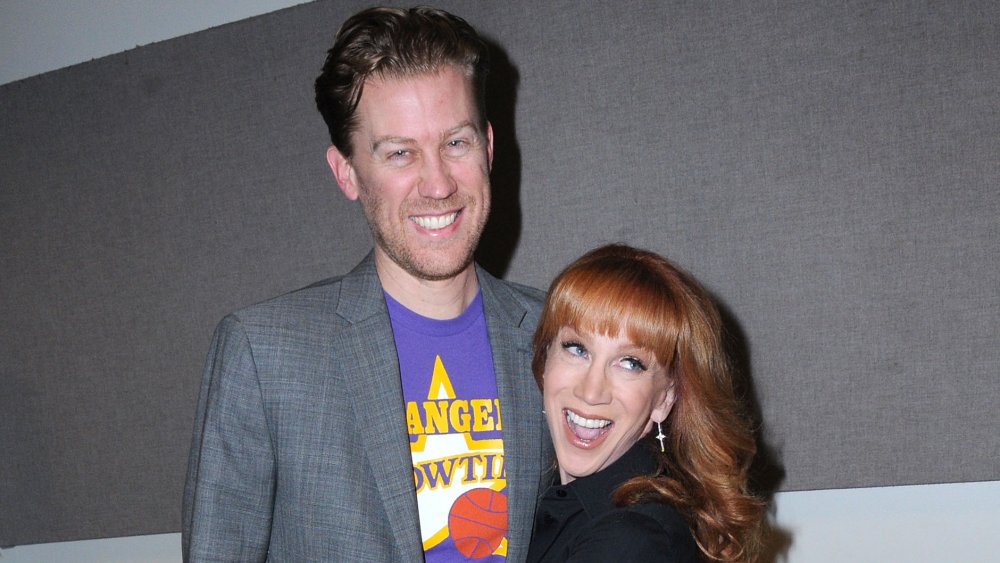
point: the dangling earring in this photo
(660, 436)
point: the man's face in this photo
(420, 167)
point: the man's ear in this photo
(489, 146)
(343, 171)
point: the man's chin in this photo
(439, 272)
(433, 266)
(430, 261)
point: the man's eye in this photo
(399, 153)
(457, 146)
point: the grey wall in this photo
(829, 173)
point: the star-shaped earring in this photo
(660, 436)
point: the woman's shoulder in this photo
(641, 532)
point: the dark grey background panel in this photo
(830, 173)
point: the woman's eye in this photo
(574, 348)
(632, 363)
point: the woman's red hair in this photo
(661, 308)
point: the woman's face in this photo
(601, 395)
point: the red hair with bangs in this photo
(618, 289)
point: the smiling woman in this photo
(602, 394)
(628, 342)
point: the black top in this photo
(577, 522)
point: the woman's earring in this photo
(660, 436)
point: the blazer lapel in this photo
(521, 408)
(378, 406)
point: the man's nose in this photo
(436, 181)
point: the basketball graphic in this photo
(477, 522)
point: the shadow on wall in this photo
(503, 230)
(766, 471)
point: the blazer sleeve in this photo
(628, 535)
(229, 492)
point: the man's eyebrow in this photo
(390, 140)
(460, 127)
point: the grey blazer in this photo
(300, 451)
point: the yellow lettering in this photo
(447, 416)
(437, 417)
(499, 418)
(481, 419)
(459, 416)
(463, 469)
(413, 418)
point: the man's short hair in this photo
(394, 43)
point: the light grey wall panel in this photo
(830, 173)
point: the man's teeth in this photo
(586, 422)
(434, 222)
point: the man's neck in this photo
(436, 299)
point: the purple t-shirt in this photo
(456, 432)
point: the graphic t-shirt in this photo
(456, 433)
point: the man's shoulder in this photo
(309, 300)
(509, 291)
(319, 300)
(526, 293)
(519, 305)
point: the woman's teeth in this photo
(578, 420)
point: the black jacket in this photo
(577, 522)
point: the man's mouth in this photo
(587, 429)
(435, 222)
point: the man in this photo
(388, 414)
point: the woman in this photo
(652, 444)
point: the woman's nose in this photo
(593, 388)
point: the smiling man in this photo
(388, 414)
(419, 161)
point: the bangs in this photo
(611, 301)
